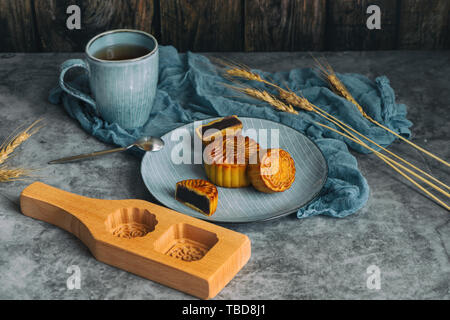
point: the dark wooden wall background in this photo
(230, 25)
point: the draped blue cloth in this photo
(191, 88)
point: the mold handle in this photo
(55, 206)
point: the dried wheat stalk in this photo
(390, 163)
(309, 106)
(242, 73)
(7, 148)
(295, 100)
(339, 88)
(9, 145)
(301, 102)
(263, 95)
(8, 175)
(384, 156)
(304, 104)
(382, 148)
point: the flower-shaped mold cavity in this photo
(186, 242)
(130, 223)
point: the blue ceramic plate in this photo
(162, 170)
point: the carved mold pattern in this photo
(131, 230)
(185, 242)
(187, 251)
(130, 223)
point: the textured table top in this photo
(400, 231)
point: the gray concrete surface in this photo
(402, 232)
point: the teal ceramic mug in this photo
(123, 91)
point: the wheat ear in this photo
(303, 103)
(339, 88)
(9, 145)
(8, 175)
(294, 100)
(266, 97)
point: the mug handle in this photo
(74, 63)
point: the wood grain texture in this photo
(347, 30)
(424, 24)
(17, 26)
(154, 242)
(284, 25)
(447, 38)
(96, 16)
(200, 25)
(230, 25)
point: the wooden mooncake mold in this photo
(226, 160)
(230, 125)
(198, 194)
(274, 171)
(154, 242)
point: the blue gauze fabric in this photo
(191, 88)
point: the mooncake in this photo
(198, 194)
(226, 160)
(274, 171)
(230, 125)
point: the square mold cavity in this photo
(186, 242)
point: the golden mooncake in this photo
(274, 171)
(230, 125)
(198, 194)
(226, 160)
